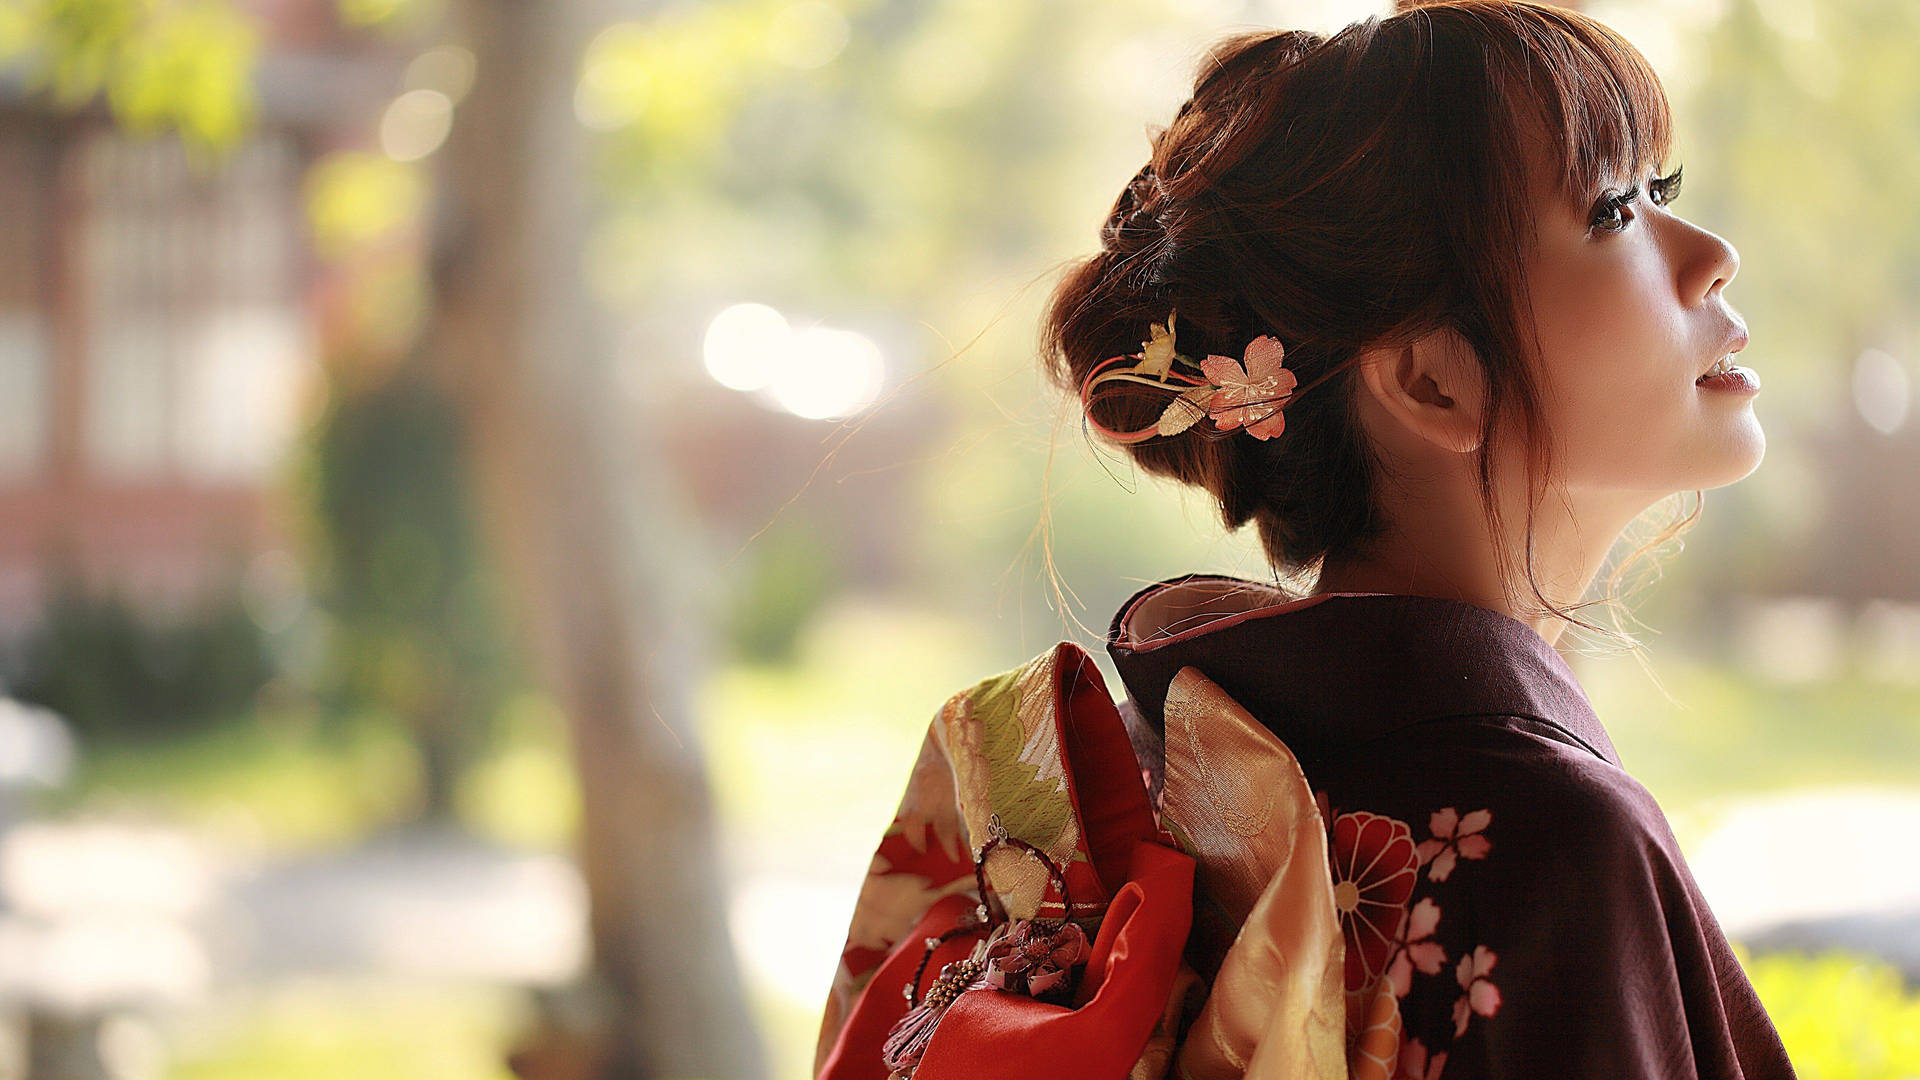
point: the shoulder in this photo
(1506, 881)
(1511, 760)
(1534, 812)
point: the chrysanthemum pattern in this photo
(1375, 867)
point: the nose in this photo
(1716, 265)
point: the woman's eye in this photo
(1608, 217)
(1661, 192)
(1667, 187)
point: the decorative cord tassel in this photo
(908, 1039)
(1022, 956)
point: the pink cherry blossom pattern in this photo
(1454, 837)
(1480, 995)
(1250, 393)
(1416, 947)
(1416, 1065)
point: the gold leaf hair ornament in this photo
(1248, 393)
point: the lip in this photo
(1734, 343)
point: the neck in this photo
(1451, 554)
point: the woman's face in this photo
(1631, 312)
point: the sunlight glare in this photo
(830, 373)
(742, 345)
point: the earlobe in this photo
(1431, 388)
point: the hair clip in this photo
(1248, 393)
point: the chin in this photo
(1734, 460)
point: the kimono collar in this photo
(1331, 670)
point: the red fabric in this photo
(993, 1035)
(1103, 775)
(1123, 989)
(856, 1053)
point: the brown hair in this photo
(1344, 193)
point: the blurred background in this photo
(492, 493)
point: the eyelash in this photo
(1667, 187)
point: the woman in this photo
(1413, 301)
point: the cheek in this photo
(1589, 411)
(1617, 431)
(1617, 399)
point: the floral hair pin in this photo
(1248, 393)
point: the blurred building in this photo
(155, 324)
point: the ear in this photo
(1432, 387)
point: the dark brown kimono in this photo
(1523, 892)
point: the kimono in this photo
(1418, 781)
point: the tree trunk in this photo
(592, 551)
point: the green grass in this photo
(1730, 735)
(522, 792)
(273, 779)
(283, 781)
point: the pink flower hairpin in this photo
(1250, 392)
(1245, 393)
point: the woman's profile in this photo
(1414, 301)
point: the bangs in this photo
(1588, 87)
(1604, 100)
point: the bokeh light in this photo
(744, 345)
(832, 373)
(416, 124)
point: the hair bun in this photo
(1135, 219)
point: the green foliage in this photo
(890, 143)
(1842, 1016)
(363, 213)
(112, 672)
(395, 15)
(183, 65)
(355, 198)
(790, 573)
(399, 568)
